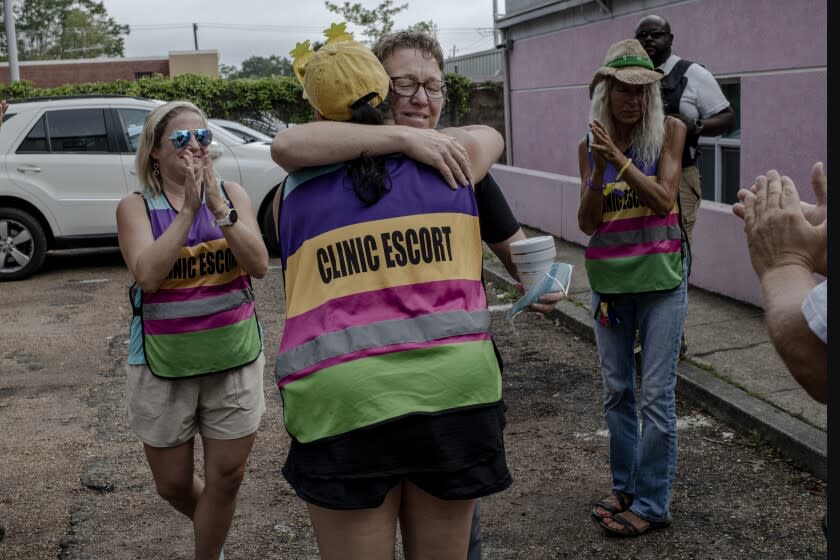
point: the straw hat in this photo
(627, 62)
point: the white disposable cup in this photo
(534, 266)
(536, 256)
(528, 279)
(532, 244)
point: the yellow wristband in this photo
(623, 169)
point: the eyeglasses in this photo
(407, 87)
(181, 138)
(655, 34)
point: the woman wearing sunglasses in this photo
(196, 360)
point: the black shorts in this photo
(457, 455)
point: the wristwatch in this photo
(698, 127)
(228, 219)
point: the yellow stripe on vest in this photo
(207, 264)
(354, 259)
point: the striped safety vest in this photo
(386, 312)
(633, 250)
(202, 319)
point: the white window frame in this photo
(713, 144)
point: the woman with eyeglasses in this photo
(195, 363)
(390, 381)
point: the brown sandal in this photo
(628, 529)
(623, 500)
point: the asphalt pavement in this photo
(731, 369)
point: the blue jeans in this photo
(643, 461)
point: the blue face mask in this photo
(557, 279)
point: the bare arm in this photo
(591, 209)
(148, 259)
(805, 355)
(484, 146)
(502, 251)
(785, 250)
(244, 236)
(326, 142)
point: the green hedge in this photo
(218, 97)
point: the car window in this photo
(36, 140)
(73, 130)
(131, 122)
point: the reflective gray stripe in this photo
(197, 308)
(420, 329)
(636, 237)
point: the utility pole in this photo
(11, 41)
(195, 35)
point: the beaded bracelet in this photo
(593, 187)
(623, 169)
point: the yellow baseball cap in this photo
(341, 74)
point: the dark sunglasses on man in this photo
(654, 34)
(181, 138)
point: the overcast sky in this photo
(240, 29)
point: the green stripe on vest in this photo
(329, 402)
(643, 273)
(203, 352)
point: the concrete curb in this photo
(798, 441)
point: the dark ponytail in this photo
(370, 179)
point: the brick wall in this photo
(43, 74)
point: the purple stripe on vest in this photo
(193, 324)
(189, 294)
(404, 302)
(378, 351)
(635, 224)
(203, 228)
(415, 186)
(665, 246)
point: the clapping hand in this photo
(193, 180)
(778, 232)
(602, 147)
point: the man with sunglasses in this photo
(691, 94)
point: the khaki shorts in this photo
(166, 412)
(690, 198)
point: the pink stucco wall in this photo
(776, 48)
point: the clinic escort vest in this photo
(202, 319)
(386, 312)
(633, 250)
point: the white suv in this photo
(65, 163)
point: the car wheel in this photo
(23, 244)
(269, 232)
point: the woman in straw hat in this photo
(630, 176)
(390, 381)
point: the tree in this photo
(379, 21)
(259, 67)
(65, 29)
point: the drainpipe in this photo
(508, 46)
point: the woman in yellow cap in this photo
(390, 380)
(636, 262)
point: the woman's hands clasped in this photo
(603, 148)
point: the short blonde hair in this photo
(153, 128)
(423, 42)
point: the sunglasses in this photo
(181, 138)
(657, 34)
